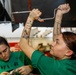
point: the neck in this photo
(57, 58)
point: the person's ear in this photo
(69, 52)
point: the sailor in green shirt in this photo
(13, 60)
(63, 49)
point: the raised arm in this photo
(24, 40)
(62, 9)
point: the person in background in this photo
(10, 61)
(63, 49)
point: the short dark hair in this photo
(4, 41)
(70, 40)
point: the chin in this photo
(6, 59)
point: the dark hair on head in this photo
(4, 41)
(70, 40)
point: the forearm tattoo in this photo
(27, 29)
(29, 24)
(57, 30)
(25, 34)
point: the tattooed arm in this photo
(24, 40)
(62, 9)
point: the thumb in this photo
(4, 73)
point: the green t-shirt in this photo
(51, 66)
(17, 59)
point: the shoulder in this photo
(19, 53)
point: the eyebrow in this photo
(4, 49)
(57, 40)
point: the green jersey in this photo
(17, 59)
(51, 66)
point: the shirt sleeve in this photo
(36, 57)
(39, 60)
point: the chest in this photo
(13, 63)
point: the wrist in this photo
(59, 12)
(30, 67)
(31, 17)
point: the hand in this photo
(35, 14)
(24, 70)
(4, 73)
(64, 8)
